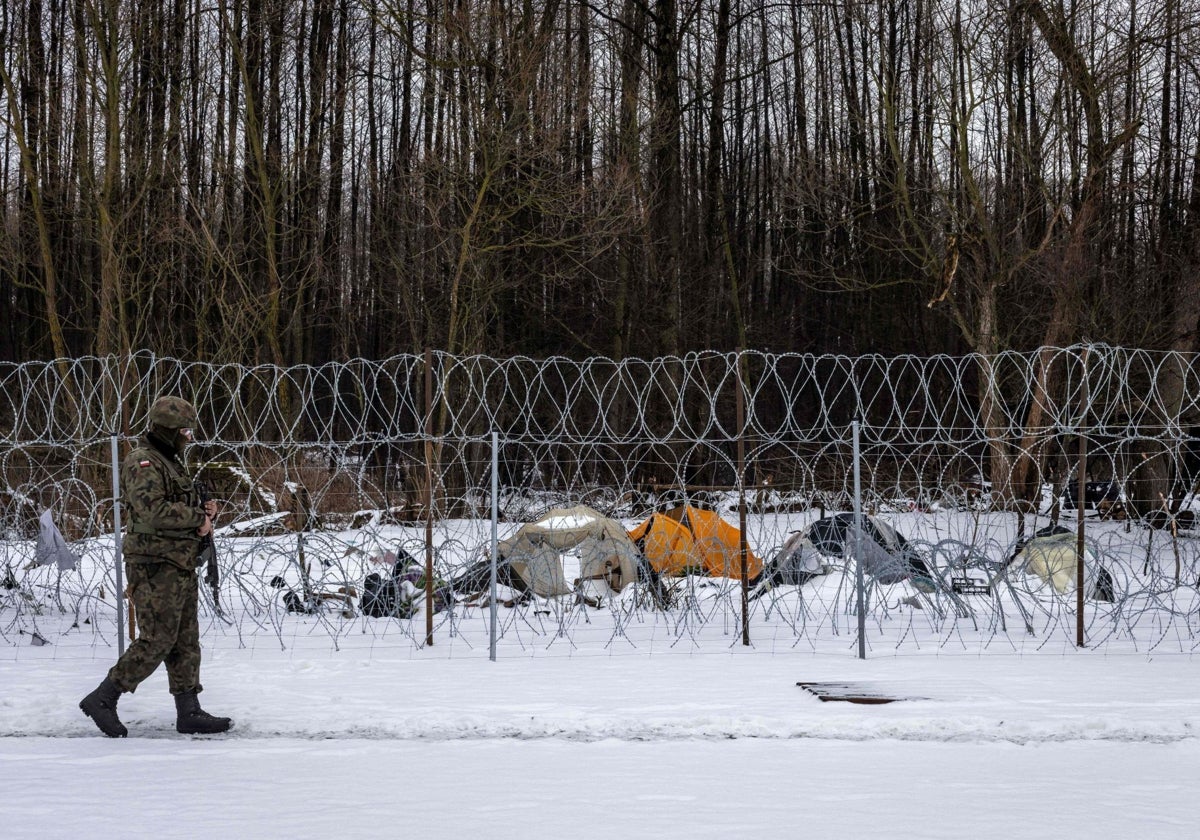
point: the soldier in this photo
(162, 543)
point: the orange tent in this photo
(688, 539)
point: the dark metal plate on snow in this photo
(969, 586)
(852, 693)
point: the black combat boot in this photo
(101, 707)
(192, 720)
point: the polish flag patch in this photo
(143, 463)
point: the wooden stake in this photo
(1174, 533)
(743, 548)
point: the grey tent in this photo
(886, 555)
(537, 557)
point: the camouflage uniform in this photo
(161, 548)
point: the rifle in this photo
(208, 553)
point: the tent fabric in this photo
(1053, 559)
(885, 554)
(607, 557)
(52, 547)
(687, 539)
(797, 562)
(667, 545)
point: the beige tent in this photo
(543, 554)
(1053, 559)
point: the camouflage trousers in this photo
(164, 603)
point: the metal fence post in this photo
(428, 497)
(495, 544)
(858, 529)
(1081, 501)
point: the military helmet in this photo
(172, 413)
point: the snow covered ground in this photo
(624, 722)
(713, 745)
(1155, 578)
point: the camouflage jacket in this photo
(163, 508)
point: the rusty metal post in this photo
(1080, 502)
(741, 455)
(428, 496)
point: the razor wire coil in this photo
(624, 437)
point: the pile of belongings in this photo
(397, 595)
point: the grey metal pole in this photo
(117, 556)
(428, 497)
(858, 529)
(1081, 500)
(495, 543)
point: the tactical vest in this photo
(163, 508)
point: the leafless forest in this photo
(293, 182)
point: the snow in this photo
(565, 523)
(250, 525)
(620, 723)
(612, 789)
(711, 745)
(263, 493)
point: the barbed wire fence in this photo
(337, 480)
